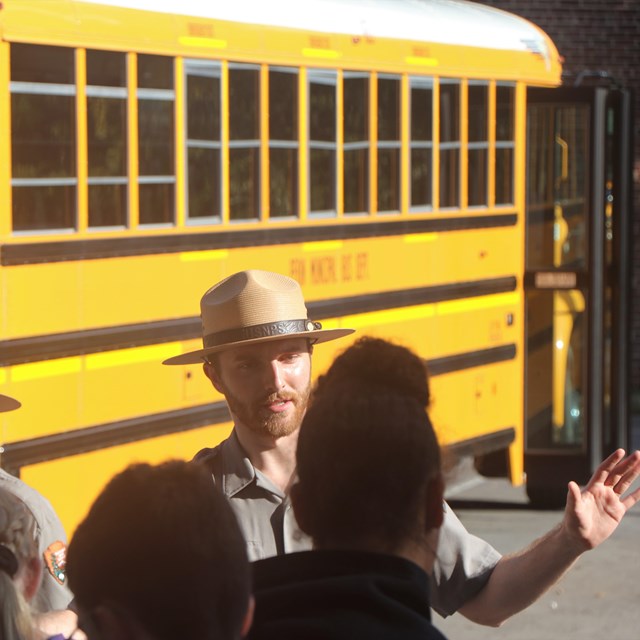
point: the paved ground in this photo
(599, 599)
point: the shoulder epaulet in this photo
(206, 454)
(207, 457)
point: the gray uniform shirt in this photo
(52, 545)
(463, 565)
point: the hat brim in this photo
(8, 404)
(321, 335)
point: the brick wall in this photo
(599, 35)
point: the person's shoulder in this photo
(41, 509)
(20, 489)
(208, 454)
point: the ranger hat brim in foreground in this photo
(254, 306)
(8, 404)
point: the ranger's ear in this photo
(212, 374)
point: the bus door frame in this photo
(609, 213)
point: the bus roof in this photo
(453, 22)
(442, 38)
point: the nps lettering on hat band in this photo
(266, 330)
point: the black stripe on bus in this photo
(487, 443)
(461, 361)
(93, 249)
(367, 303)
(74, 343)
(110, 434)
(85, 440)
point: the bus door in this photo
(576, 283)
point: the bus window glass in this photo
(505, 113)
(504, 175)
(202, 88)
(356, 143)
(43, 137)
(388, 144)
(283, 142)
(478, 149)
(322, 141)
(244, 143)
(106, 69)
(155, 72)
(156, 140)
(107, 138)
(37, 63)
(505, 143)
(540, 187)
(558, 191)
(449, 143)
(421, 142)
(572, 190)
(556, 369)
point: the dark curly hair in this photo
(379, 363)
(162, 543)
(367, 449)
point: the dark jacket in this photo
(335, 595)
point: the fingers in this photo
(625, 473)
(631, 499)
(573, 495)
(607, 468)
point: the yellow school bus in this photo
(375, 151)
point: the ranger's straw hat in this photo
(8, 404)
(254, 306)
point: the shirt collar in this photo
(238, 472)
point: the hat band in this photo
(266, 330)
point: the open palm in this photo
(593, 513)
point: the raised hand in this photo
(593, 513)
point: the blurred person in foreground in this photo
(160, 556)
(48, 604)
(21, 569)
(257, 350)
(370, 495)
(52, 541)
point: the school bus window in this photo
(505, 143)
(356, 142)
(421, 142)
(203, 141)
(449, 143)
(106, 68)
(478, 146)
(155, 139)
(43, 137)
(107, 138)
(322, 141)
(388, 143)
(283, 142)
(244, 142)
(38, 63)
